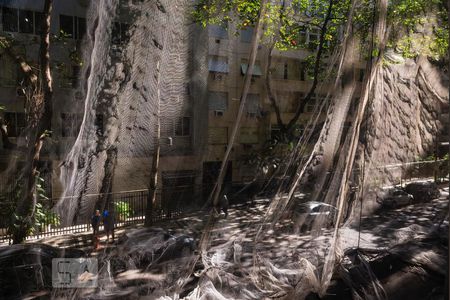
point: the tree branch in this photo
(270, 94)
(323, 31)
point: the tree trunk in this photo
(272, 98)
(151, 197)
(105, 196)
(39, 119)
(247, 81)
(46, 77)
(317, 63)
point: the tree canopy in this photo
(416, 26)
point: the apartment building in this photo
(228, 60)
(195, 137)
(21, 21)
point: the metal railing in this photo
(127, 208)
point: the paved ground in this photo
(277, 244)
(381, 230)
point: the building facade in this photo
(206, 94)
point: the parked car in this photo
(310, 212)
(394, 197)
(423, 191)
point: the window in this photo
(302, 71)
(66, 25)
(15, 122)
(217, 135)
(219, 32)
(315, 100)
(311, 104)
(302, 36)
(246, 35)
(274, 131)
(218, 64)
(10, 19)
(256, 68)
(285, 71)
(26, 21)
(75, 76)
(80, 28)
(248, 135)
(313, 39)
(183, 126)
(178, 189)
(73, 27)
(179, 127)
(252, 105)
(8, 71)
(70, 124)
(218, 101)
(38, 22)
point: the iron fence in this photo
(127, 208)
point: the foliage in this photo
(285, 25)
(432, 157)
(43, 214)
(5, 42)
(418, 27)
(123, 209)
(439, 45)
(413, 32)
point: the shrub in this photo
(123, 210)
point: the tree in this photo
(284, 25)
(39, 92)
(284, 29)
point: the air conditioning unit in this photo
(218, 76)
(219, 113)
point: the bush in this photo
(45, 217)
(123, 210)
